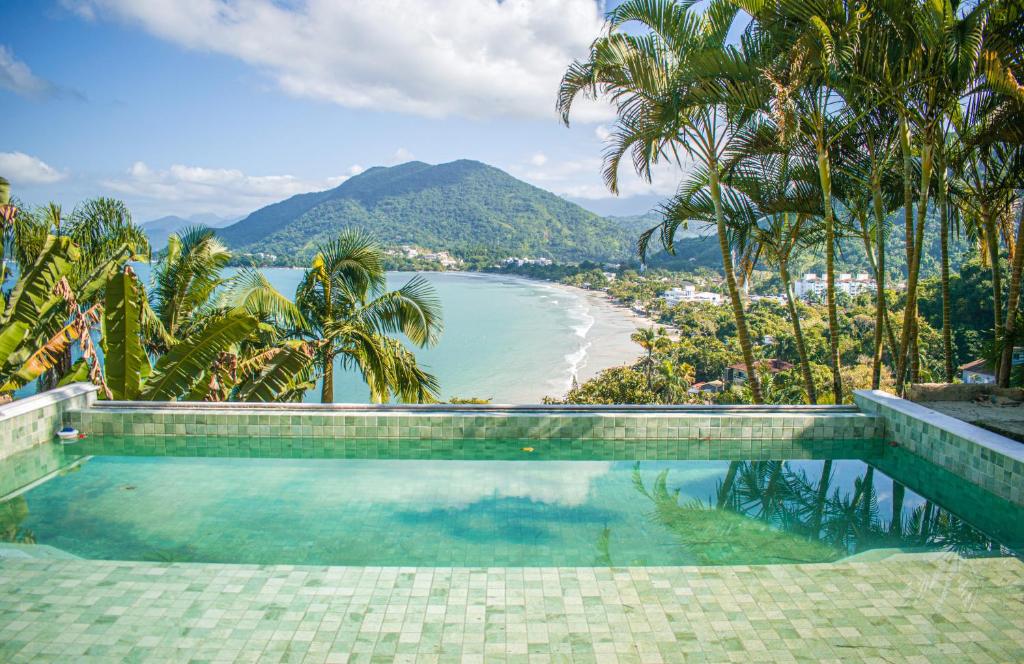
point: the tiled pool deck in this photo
(910, 608)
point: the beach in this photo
(604, 330)
(507, 338)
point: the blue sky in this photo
(214, 106)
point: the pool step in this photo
(13, 551)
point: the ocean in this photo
(507, 339)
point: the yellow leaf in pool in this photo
(527, 449)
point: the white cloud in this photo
(472, 58)
(185, 189)
(21, 168)
(401, 156)
(581, 178)
(459, 484)
(16, 76)
(539, 159)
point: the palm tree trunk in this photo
(819, 503)
(908, 227)
(1012, 305)
(898, 492)
(881, 308)
(726, 488)
(801, 349)
(914, 266)
(947, 326)
(730, 280)
(825, 174)
(327, 391)
(992, 238)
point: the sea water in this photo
(507, 339)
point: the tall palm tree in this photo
(673, 88)
(654, 341)
(352, 316)
(809, 54)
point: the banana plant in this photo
(27, 346)
(211, 363)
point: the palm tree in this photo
(654, 342)
(352, 316)
(184, 281)
(674, 380)
(808, 56)
(671, 96)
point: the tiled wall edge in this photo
(608, 425)
(34, 420)
(987, 459)
(999, 444)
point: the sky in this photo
(190, 107)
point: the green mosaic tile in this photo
(915, 608)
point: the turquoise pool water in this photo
(505, 512)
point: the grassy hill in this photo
(465, 207)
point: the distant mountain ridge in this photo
(158, 230)
(462, 206)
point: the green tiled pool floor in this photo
(914, 608)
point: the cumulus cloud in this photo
(472, 58)
(401, 156)
(16, 76)
(187, 189)
(581, 178)
(22, 169)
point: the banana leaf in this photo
(125, 360)
(277, 375)
(178, 369)
(79, 373)
(11, 337)
(34, 290)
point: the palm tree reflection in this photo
(773, 511)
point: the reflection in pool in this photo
(491, 513)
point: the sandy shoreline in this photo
(610, 343)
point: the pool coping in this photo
(987, 459)
(547, 409)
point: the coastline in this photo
(610, 343)
(602, 328)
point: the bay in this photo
(507, 339)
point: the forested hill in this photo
(465, 207)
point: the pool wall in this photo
(460, 423)
(991, 461)
(36, 419)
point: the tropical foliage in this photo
(199, 333)
(823, 123)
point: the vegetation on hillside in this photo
(824, 123)
(464, 207)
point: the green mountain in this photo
(465, 207)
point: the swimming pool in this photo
(531, 504)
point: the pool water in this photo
(505, 513)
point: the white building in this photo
(812, 286)
(689, 293)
